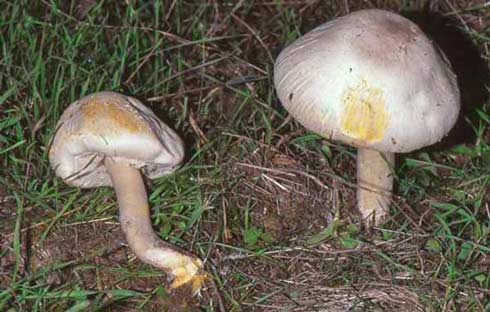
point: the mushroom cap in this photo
(109, 124)
(371, 79)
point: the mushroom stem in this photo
(375, 183)
(134, 214)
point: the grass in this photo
(268, 205)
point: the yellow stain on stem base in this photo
(195, 282)
(364, 115)
(189, 272)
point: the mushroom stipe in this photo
(108, 139)
(134, 214)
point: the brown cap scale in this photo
(371, 79)
(109, 139)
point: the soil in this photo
(287, 203)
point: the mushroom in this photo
(371, 79)
(109, 139)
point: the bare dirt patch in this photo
(288, 202)
(290, 194)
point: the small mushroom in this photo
(109, 139)
(371, 79)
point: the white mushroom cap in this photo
(109, 124)
(371, 79)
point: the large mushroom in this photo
(371, 79)
(109, 139)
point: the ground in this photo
(269, 206)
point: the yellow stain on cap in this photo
(364, 117)
(105, 114)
